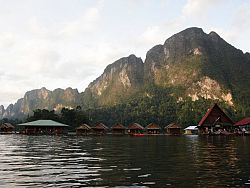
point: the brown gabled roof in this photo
(100, 126)
(118, 126)
(243, 122)
(135, 126)
(215, 111)
(173, 126)
(152, 126)
(84, 127)
(7, 126)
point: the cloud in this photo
(7, 40)
(87, 23)
(198, 7)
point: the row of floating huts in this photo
(215, 122)
(55, 128)
(133, 129)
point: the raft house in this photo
(173, 129)
(243, 126)
(100, 129)
(135, 129)
(118, 129)
(153, 129)
(83, 129)
(191, 130)
(40, 127)
(215, 122)
(7, 128)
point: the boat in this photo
(137, 134)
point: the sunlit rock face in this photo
(203, 65)
(119, 80)
(42, 99)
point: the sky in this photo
(68, 43)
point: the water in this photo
(110, 161)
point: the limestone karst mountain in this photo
(195, 64)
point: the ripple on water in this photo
(131, 169)
(144, 175)
(47, 161)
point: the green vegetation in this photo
(152, 104)
(72, 117)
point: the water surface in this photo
(111, 161)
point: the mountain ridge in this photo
(194, 64)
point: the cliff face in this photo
(120, 79)
(42, 99)
(203, 65)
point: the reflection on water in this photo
(69, 161)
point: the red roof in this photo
(245, 121)
(219, 112)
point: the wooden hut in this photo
(153, 129)
(100, 129)
(191, 130)
(173, 129)
(215, 121)
(49, 127)
(135, 128)
(83, 129)
(243, 126)
(118, 129)
(7, 128)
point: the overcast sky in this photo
(68, 43)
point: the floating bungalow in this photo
(118, 129)
(215, 122)
(100, 129)
(243, 126)
(191, 130)
(38, 127)
(83, 129)
(135, 128)
(173, 129)
(153, 129)
(6, 128)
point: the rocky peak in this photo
(247, 56)
(2, 110)
(121, 77)
(42, 99)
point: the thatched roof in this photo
(173, 126)
(153, 126)
(118, 126)
(83, 127)
(135, 126)
(7, 126)
(100, 126)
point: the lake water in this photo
(111, 161)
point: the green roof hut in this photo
(49, 127)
